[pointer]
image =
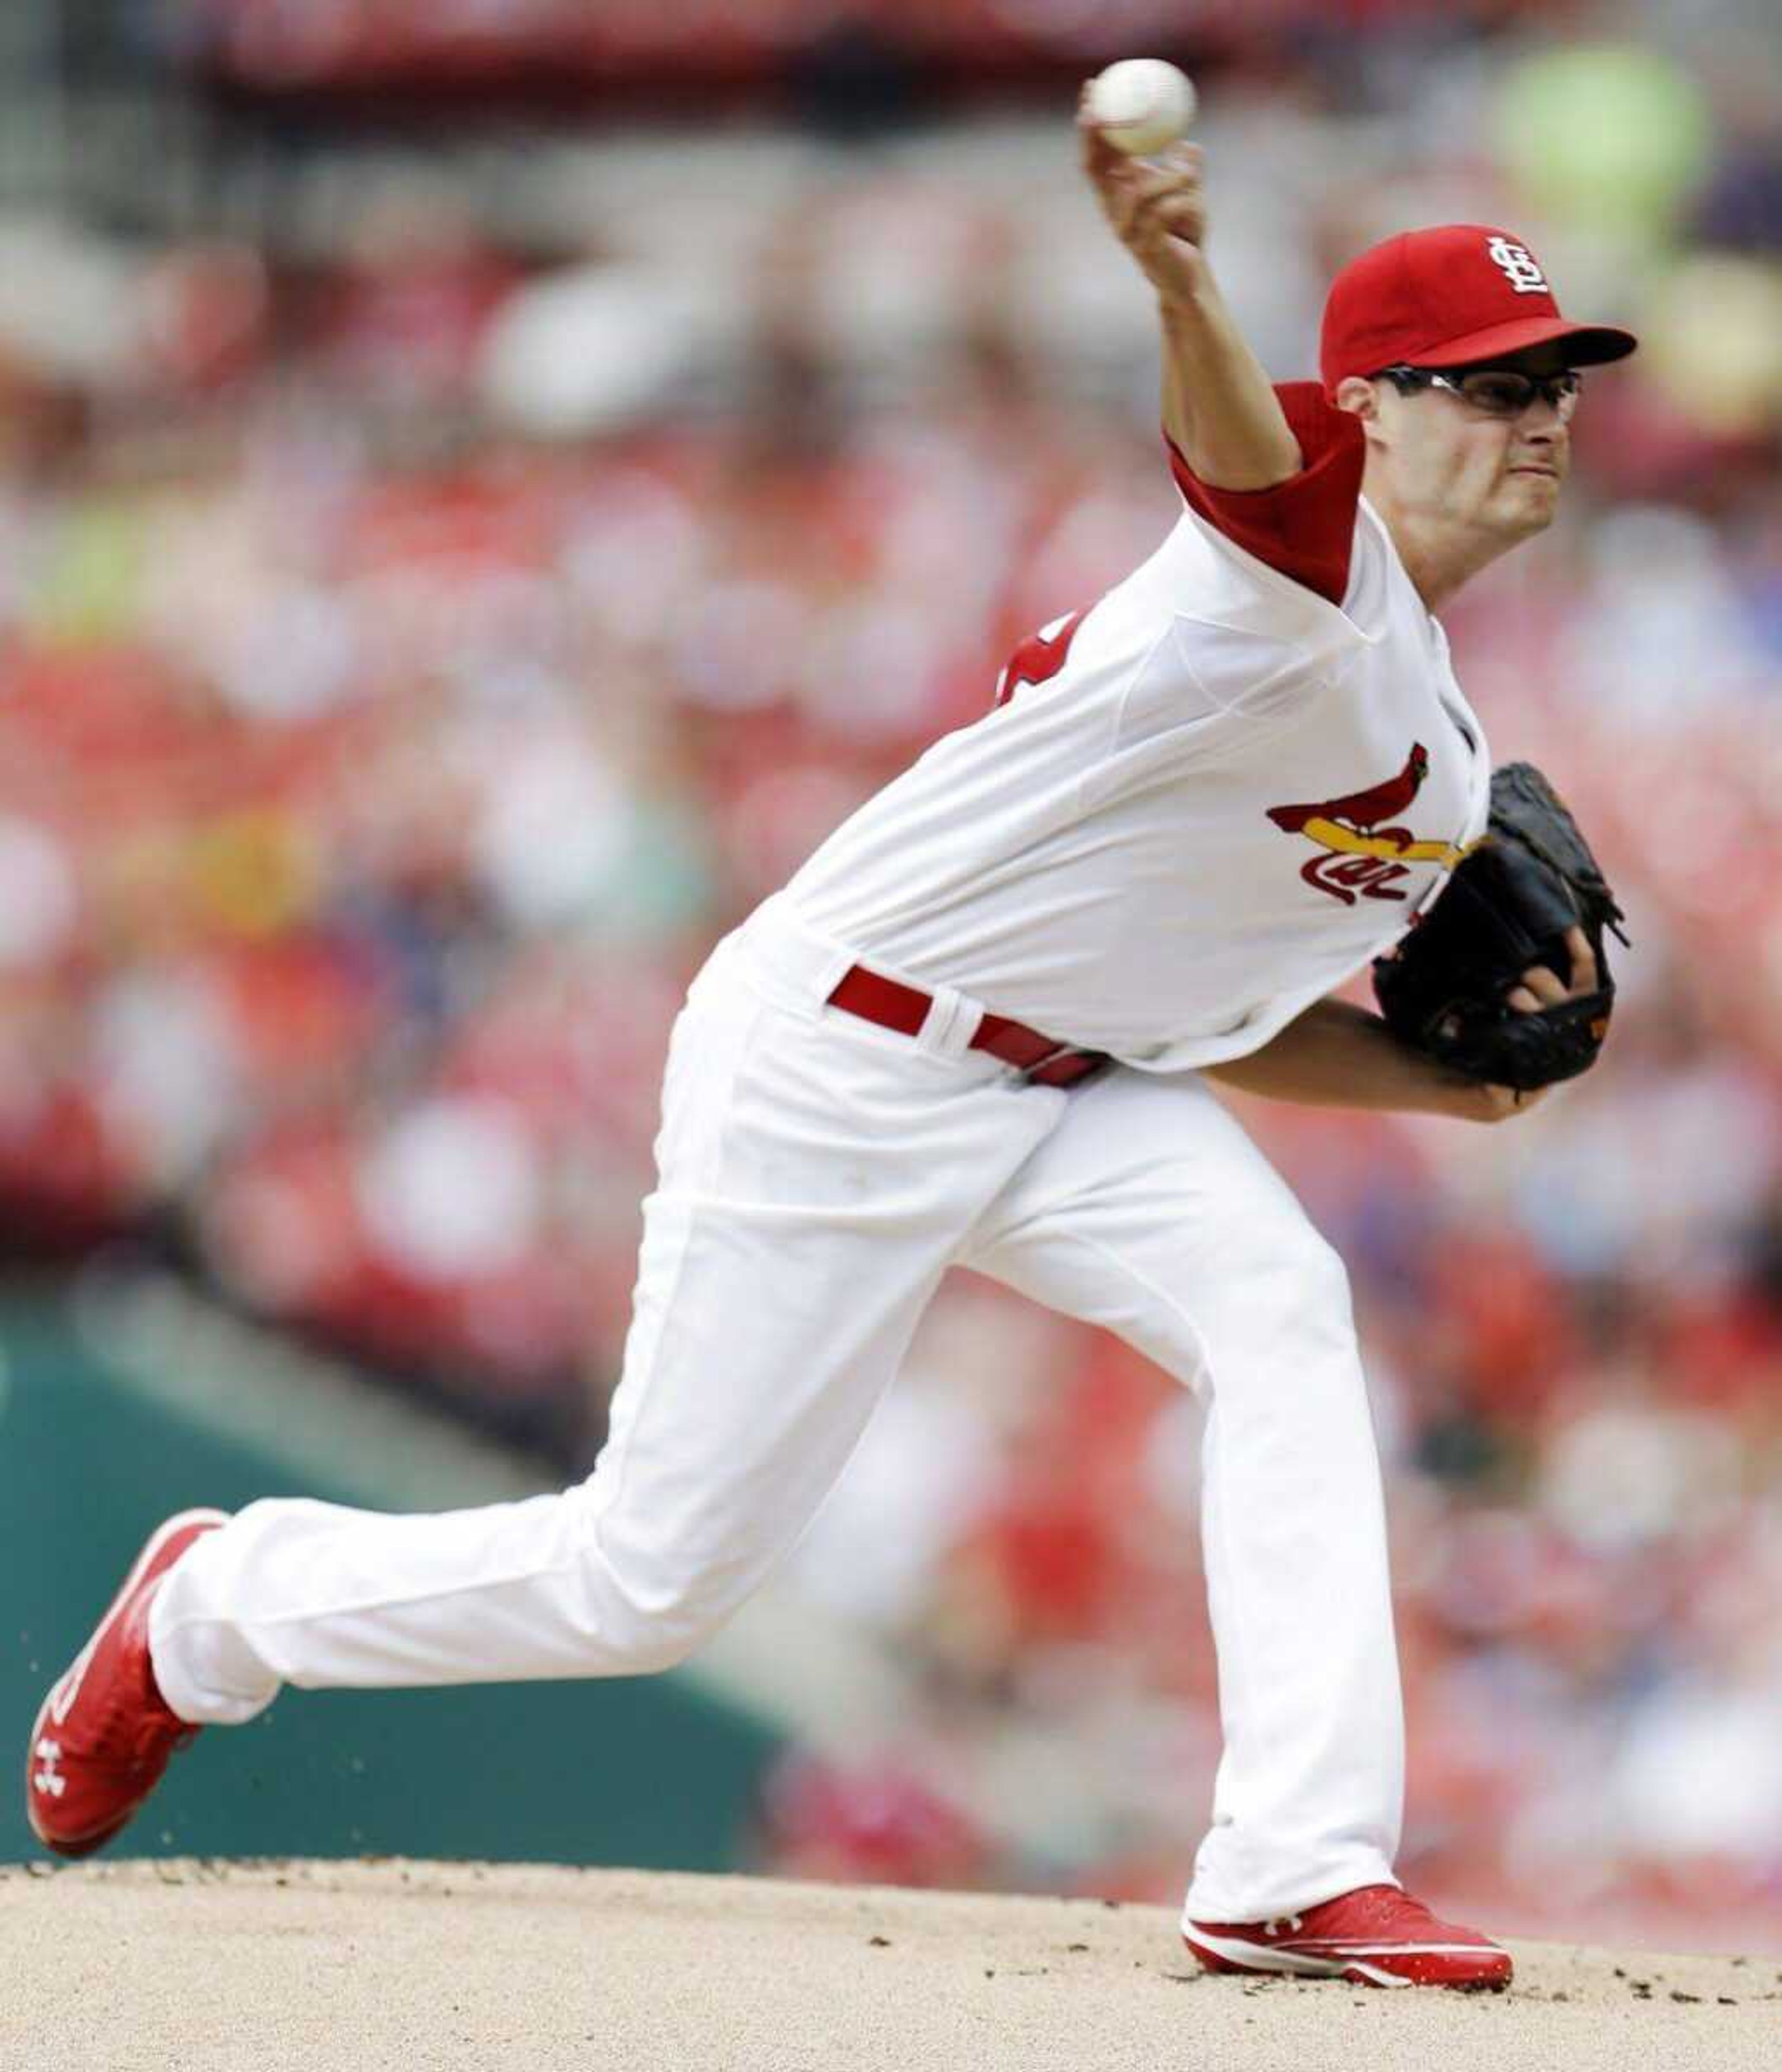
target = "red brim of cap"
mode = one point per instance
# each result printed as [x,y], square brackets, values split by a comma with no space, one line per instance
[1587,345]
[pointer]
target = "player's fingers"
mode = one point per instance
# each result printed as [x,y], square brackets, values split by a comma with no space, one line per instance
[1524,1002]
[1501,1102]
[1547,986]
[1172,202]
[1140,216]
[1098,155]
[1184,220]
[1585,976]
[1178,172]
[1122,186]
[1104,165]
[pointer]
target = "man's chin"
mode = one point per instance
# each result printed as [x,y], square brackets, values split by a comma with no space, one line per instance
[1529,503]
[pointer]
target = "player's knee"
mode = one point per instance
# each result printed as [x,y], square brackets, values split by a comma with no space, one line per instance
[1327,1281]
[1329,1306]
[1308,1295]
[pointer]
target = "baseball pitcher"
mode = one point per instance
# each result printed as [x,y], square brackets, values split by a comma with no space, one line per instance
[978,1028]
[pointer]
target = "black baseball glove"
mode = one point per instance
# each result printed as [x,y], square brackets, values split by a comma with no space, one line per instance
[1445,988]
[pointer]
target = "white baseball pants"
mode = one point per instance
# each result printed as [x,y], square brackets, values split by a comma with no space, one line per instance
[817,1176]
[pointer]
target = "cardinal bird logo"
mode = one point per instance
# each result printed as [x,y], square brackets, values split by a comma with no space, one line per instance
[1362,852]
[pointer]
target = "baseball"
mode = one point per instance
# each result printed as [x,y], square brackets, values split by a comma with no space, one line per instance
[1144,104]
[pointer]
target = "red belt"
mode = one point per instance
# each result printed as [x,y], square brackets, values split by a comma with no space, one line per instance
[1040,1061]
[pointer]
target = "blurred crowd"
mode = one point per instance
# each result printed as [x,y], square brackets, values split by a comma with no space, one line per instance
[413,654]
[270,43]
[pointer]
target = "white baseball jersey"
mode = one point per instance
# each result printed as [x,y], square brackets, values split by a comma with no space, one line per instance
[1196,808]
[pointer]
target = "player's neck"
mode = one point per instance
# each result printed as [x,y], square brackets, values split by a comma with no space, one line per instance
[1439,555]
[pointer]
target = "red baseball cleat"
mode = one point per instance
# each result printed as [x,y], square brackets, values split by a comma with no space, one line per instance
[105,1733]
[1375,1935]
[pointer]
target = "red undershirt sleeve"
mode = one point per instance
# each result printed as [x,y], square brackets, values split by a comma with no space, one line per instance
[1304,526]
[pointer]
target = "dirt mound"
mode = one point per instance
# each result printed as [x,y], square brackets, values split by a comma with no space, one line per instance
[431,1967]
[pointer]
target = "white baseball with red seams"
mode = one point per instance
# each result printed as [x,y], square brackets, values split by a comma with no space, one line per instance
[1144,105]
[1199,805]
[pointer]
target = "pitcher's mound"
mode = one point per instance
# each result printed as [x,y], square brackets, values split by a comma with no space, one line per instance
[432,1967]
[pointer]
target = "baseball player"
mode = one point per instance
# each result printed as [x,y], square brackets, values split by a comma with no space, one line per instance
[978,1028]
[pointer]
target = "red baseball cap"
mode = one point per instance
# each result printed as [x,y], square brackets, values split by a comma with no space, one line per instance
[1447,297]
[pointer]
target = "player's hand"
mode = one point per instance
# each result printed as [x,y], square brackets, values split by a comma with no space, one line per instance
[1487,1103]
[1156,210]
[1540,988]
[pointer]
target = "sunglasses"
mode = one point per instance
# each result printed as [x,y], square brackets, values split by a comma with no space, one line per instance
[1494,391]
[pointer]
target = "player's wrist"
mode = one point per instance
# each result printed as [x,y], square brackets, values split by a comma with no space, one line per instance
[1190,298]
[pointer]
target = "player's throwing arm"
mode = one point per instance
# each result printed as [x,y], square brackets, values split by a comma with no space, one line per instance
[1219,407]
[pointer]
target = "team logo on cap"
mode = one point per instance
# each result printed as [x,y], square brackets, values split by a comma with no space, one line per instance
[1520,267]
[1361,853]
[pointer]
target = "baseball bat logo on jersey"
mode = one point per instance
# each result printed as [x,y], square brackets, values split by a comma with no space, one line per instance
[1364,853]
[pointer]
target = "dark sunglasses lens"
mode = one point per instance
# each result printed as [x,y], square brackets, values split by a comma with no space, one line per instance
[1505,393]
[1502,394]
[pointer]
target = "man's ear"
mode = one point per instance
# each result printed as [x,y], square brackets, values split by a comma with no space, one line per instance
[1360,398]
